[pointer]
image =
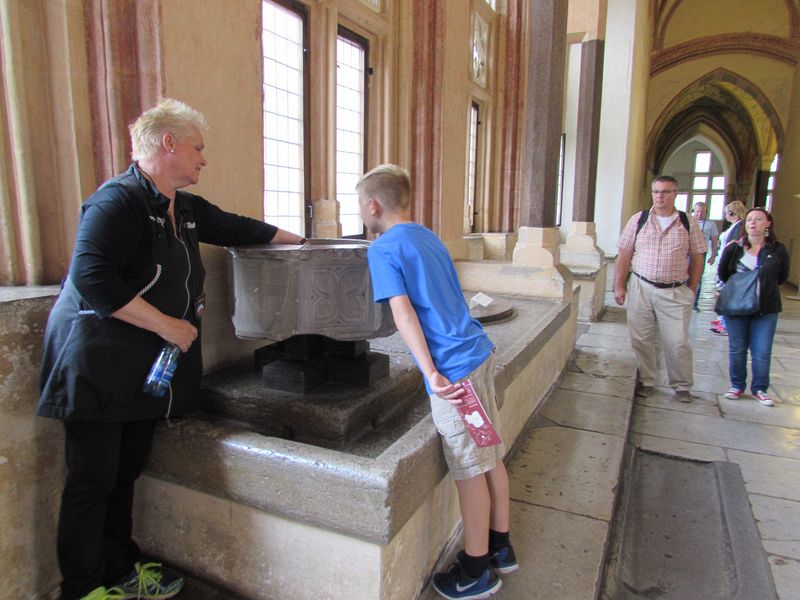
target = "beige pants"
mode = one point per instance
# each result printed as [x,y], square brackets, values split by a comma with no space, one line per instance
[661,315]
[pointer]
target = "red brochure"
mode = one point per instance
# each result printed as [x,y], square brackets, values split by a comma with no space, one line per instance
[478,424]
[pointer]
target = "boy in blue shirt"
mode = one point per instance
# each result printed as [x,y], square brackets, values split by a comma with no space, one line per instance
[412,271]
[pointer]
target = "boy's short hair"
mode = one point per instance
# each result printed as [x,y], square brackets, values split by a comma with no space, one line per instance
[388,183]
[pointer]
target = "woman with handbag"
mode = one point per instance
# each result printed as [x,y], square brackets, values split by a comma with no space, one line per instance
[758,250]
[734,214]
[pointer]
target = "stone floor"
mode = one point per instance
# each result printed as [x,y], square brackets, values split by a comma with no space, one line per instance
[565,469]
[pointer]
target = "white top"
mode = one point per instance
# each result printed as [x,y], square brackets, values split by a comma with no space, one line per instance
[749,261]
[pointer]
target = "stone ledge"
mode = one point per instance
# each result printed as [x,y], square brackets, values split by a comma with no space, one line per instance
[367,498]
[582,272]
[27,292]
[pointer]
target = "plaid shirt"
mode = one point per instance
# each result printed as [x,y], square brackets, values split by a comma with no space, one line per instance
[662,256]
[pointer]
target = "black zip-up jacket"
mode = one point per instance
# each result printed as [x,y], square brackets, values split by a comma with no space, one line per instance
[773,271]
[94,365]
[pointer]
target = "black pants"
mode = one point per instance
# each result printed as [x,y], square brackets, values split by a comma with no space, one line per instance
[94,529]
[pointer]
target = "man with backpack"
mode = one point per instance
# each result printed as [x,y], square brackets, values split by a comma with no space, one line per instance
[662,248]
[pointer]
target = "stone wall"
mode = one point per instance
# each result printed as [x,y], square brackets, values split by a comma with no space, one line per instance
[31,451]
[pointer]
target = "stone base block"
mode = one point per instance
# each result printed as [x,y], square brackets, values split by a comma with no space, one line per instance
[365,370]
[593,290]
[294,375]
[495,277]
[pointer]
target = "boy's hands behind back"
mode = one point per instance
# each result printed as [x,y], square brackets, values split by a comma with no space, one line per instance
[442,387]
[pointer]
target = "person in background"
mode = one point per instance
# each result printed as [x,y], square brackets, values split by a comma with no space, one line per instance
[758,248]
[711,235]
[734,215]
[665,256]
[412,271]
[135,282]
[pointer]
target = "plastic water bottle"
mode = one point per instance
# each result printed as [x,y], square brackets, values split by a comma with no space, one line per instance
[160,376]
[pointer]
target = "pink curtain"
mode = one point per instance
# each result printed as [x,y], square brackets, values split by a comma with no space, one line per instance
[124,57]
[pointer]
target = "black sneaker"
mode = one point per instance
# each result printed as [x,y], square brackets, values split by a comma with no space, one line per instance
[504,560]
[455,584]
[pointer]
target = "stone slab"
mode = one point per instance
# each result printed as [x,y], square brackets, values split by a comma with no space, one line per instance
[560,555]
[786,574]
[716,431]
[599,361]
[769,475]
[589,411]
[664,397]
[608,386]
[687,534]
[604,341]
[778,522]
[747,408]
[568,469]
[678,448]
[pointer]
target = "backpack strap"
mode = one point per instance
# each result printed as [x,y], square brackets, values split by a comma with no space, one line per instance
[646,213]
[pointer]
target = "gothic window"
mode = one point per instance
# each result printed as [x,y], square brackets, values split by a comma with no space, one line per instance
[773,170]
[285,153]
[351,124]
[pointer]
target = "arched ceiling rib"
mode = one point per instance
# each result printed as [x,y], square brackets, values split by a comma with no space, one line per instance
[730,106]
[785,49]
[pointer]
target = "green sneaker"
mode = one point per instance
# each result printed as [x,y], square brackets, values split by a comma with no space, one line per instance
[102,593]
[150,581]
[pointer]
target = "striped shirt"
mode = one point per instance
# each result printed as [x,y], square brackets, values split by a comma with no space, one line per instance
[662,255]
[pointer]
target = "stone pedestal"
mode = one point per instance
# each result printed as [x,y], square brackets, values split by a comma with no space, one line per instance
[325,219]
[586,261]
[302,362]
[537,247]
[535,271]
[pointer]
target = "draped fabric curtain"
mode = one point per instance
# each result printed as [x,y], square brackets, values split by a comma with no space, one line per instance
[73,77]
[124,56]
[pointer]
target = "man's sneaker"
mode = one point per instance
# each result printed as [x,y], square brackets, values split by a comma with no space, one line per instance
[455,584]
[684,396]
[734,393]
[645,391]
[102,593]
[150,581]
[719,330]
[764,398]
[504,560]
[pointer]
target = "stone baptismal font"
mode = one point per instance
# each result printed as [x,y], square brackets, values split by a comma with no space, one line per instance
[315,380]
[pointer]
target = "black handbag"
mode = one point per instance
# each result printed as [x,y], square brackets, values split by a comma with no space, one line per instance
[740,295]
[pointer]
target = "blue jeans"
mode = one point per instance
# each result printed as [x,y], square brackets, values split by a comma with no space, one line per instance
[756,334]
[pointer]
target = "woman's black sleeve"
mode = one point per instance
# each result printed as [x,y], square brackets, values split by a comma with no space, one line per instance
[221,228]
[109,234]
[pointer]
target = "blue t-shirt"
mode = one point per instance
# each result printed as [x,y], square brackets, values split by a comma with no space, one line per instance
[409,260]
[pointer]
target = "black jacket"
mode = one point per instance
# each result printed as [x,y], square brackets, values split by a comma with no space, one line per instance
[774,270]
[94,365]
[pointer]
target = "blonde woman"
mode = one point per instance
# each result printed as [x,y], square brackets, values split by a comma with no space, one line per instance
[734,214]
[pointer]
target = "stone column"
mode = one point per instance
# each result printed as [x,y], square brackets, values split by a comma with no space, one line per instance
[760,188]
[588,136]
[581,255]
[538,238]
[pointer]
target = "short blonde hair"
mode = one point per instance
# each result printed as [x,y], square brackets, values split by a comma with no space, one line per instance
[388,183]
[168,116]
[738,207]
